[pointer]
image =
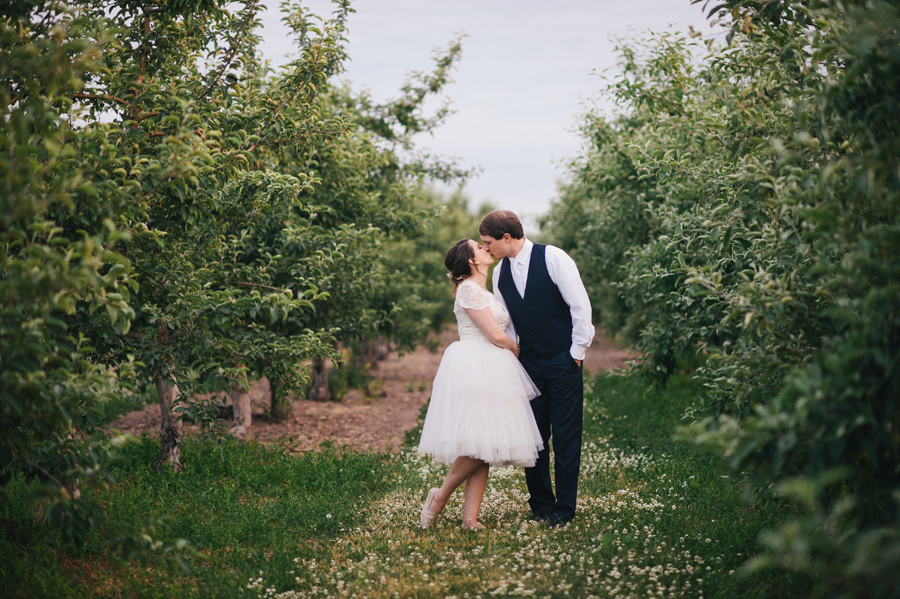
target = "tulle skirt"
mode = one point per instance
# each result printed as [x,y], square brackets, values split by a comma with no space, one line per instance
[480,407]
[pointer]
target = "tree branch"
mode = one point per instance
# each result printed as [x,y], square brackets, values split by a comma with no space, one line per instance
[99,96]
[257,285]
[146,116]
[37,466]
[87,446]
[214,82]
[304,135]
[152,280]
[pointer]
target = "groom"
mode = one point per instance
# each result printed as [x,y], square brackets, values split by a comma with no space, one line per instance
[550,311]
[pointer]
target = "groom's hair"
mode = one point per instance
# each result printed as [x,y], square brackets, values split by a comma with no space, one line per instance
[499,222]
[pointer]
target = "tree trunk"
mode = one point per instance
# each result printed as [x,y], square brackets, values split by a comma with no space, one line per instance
[243,415]
[382,349]
[373,351]
[318,385]
[281,407]
[170,426]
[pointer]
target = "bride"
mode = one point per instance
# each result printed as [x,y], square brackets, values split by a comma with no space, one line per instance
[479,412]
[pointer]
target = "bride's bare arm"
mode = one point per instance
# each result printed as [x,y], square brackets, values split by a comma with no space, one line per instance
[485,321]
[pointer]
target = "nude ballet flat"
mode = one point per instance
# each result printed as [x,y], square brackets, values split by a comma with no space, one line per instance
[476,526]
[428,515]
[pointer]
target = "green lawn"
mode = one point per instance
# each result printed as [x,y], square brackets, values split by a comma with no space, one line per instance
[656,519]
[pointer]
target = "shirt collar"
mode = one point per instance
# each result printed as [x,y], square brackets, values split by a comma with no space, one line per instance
[524,255]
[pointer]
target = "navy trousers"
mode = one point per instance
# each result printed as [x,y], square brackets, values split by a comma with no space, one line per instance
[559,412]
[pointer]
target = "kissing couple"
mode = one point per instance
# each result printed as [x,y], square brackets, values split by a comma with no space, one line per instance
[514,379]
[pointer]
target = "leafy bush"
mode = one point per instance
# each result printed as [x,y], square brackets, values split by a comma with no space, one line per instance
[765,251]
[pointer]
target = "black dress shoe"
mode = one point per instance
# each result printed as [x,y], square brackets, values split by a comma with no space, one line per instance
[558,521]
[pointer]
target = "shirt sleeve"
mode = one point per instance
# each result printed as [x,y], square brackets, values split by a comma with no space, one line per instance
[495,285]
[470,296]
[564,272]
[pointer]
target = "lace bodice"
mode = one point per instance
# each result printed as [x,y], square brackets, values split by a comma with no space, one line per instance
[473,296]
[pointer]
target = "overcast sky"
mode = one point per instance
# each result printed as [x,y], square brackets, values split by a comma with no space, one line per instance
[527,69]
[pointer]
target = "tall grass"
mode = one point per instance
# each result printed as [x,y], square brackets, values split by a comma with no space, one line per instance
[655,519]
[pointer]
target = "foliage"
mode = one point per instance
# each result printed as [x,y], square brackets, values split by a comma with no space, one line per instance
[368,197]
[175,211]
[417,270]
[52,384]
[765,252]
[415,296]
[662,203]
[371,191]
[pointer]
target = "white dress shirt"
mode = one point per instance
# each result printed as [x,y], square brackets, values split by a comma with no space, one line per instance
[564,273]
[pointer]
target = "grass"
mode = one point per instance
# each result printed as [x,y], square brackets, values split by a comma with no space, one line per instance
[656,519]
[247,507]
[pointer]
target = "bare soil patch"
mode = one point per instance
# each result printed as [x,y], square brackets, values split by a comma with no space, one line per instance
[378,423]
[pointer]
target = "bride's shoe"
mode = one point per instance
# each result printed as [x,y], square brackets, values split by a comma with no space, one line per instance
[429,515]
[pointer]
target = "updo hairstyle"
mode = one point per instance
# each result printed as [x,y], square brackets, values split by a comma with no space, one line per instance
[458,263]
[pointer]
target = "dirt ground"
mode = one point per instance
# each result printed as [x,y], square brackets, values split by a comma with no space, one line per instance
[378,422]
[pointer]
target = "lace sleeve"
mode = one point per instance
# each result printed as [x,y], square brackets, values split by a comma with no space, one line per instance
[471,296]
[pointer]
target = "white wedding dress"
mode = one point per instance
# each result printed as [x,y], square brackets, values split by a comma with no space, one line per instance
[479,401]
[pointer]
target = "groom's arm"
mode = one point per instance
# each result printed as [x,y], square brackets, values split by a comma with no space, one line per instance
[495,285]
[564,272]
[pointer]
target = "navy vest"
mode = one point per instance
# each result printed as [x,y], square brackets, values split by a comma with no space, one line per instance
[542,318]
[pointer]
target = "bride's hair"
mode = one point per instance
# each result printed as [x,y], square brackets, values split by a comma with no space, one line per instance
[457,262]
